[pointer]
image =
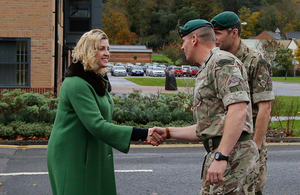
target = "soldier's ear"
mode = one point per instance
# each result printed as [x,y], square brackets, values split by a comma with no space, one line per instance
[235,32]
[194,39]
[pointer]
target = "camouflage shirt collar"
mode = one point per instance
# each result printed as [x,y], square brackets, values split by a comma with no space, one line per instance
[212,51]
[242,50]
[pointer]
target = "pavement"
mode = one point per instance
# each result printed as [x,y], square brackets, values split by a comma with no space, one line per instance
[121,85]
[149,89]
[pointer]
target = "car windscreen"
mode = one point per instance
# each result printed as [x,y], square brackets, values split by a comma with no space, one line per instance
[119,68]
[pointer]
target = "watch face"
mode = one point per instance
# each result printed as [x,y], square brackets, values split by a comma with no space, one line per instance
[217,156]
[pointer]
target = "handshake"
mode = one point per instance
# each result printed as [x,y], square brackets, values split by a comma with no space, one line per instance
[157,135]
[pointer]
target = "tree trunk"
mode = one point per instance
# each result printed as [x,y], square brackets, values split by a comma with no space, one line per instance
[286,72]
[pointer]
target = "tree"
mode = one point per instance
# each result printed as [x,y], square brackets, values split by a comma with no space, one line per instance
[269,49]
[297,53]
[186,14]
[172,51]
[208,9]
[251,18]
[284,58]
[116,26]
[162,22]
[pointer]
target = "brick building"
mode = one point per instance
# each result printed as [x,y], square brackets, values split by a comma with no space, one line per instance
[27,45]
[130,53]
[36,38]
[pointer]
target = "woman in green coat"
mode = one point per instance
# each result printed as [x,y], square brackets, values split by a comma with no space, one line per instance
[79,155]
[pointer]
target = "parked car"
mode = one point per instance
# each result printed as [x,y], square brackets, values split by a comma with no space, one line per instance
[136,70]
[128,66]
[119,71]
[178,71]
[192,71]
[119,64]
[110,66]
[170,68]
[185,68]
[155,64]
[156,71]
[163,67]
[148,70]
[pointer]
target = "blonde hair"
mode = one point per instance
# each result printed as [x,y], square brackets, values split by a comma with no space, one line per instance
[86,49]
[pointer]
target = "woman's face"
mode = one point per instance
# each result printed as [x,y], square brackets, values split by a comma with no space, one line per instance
[103,54]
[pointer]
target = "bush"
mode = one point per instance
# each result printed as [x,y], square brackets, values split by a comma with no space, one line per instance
[161,61]
[22,130]
[18,105]
[276,72]
[144,109]
[6,132]
[179,123]
[280,72]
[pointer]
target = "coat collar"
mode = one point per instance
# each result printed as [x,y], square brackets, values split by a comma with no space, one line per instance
[98,82]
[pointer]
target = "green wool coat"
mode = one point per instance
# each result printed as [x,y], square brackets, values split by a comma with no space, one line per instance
[79,154]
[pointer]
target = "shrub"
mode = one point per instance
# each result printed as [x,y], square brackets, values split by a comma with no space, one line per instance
[6,132]
[24,130]
[144,109]
[18,105]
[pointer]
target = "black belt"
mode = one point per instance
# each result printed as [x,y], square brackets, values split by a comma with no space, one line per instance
[216,141]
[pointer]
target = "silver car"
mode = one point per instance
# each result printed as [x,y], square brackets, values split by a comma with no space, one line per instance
[157,72]
[148,70]
[119,71]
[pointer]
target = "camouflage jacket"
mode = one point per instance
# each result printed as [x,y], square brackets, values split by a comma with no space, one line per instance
[259,75]
[221,81]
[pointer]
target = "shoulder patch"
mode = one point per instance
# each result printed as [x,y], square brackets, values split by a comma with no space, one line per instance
[234,80]
[224,62]
[262,62]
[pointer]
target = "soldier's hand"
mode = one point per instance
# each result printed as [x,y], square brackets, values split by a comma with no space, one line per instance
[216,171]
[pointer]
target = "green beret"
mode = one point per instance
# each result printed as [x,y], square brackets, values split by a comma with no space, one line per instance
[225,20]
[192,25]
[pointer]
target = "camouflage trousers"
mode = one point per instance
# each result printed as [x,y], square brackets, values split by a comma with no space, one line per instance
[241,172]
[262,176]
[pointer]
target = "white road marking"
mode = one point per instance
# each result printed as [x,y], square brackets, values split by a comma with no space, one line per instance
[46,173]
[132,171]
[23,173]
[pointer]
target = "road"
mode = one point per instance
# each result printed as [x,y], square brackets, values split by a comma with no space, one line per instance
[163,170]
[279,88]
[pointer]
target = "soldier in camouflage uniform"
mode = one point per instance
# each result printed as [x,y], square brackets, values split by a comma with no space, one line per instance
[222,110]
[227,26]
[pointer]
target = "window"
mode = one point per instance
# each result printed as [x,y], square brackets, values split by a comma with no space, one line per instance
[79,15]
[14,62]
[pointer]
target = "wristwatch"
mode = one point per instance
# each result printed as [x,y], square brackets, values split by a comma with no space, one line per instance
[219,156]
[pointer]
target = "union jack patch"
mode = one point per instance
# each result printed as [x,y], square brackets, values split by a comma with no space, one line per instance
[234,80]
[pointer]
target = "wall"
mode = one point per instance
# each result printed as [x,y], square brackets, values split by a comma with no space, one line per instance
[32,19]
[129,57]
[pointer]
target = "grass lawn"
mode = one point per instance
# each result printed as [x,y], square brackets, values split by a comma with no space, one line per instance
[161,57]
[286,106]
[295,130]
[288,79]
[181,82]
